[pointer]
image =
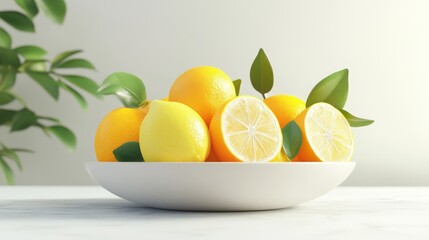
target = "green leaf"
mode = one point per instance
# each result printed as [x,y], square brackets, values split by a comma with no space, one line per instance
[76,63]
[29,6]
[8,58]
[261,73]
[7,79]
[6,98]
[333,89]
[9,153]
[47,83]
[128,152]
[65,135]
[5,39]
[75,94]
[237,84]
[292,139]
[63,56]
[84,83]
[55,120]
[54,9]
[34,66]
[6,116]
[129,88]
[23,119]
[356,121]
[31,52]
[17,20]
[7,172]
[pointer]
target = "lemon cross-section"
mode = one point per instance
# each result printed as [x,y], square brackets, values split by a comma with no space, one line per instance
[327,135]
[245,130]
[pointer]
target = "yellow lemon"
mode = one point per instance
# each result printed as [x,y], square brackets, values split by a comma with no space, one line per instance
[173,132]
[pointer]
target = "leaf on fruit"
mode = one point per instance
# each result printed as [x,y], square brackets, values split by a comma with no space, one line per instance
[237,85]
[31,52]
[292,139]
[128,152]
[356,121]
[17,20]
[261,73]
[129,88]
[333,89]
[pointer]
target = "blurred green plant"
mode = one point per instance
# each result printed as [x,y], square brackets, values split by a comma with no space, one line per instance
[31,60]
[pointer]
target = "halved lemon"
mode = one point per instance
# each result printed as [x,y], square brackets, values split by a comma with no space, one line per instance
[245,130]
[326,135]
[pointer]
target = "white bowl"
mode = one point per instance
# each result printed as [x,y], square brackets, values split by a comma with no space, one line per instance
[219,186]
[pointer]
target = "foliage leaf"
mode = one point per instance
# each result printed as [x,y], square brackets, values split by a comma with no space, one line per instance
[65,135]
[261,73]
[6,116]
[292,139]
[76,63]
[84,83]
[31,52]
[5,39]
[54,9]
[23,119]
[7,172]
[47,83]
[75,94]
[6,98]
[8,58]
[128,152]
[129,88]
[333,89]
[33,66]
[17,20]
[356,121]
[237,85]
[29,6]
[63,56]
[11,154]
[8,78]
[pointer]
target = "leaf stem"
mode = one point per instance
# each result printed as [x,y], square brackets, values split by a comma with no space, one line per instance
[264,96]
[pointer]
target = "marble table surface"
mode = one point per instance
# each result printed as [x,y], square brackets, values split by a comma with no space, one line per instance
[93,213]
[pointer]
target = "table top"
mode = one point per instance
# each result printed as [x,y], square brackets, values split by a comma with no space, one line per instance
[93,213]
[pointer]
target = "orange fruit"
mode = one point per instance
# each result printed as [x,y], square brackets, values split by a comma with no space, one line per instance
[212,157]
[204,89]
[117,127]
[326,135]
[245,130]
[285,107]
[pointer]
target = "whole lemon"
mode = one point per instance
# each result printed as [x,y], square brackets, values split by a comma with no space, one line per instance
[117,127]
[204,89]
[173,132]
[285,107]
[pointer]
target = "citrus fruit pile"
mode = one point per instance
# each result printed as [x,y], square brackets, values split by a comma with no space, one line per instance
[205,119]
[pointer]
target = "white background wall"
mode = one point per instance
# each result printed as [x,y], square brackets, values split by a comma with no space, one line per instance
[385,44]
